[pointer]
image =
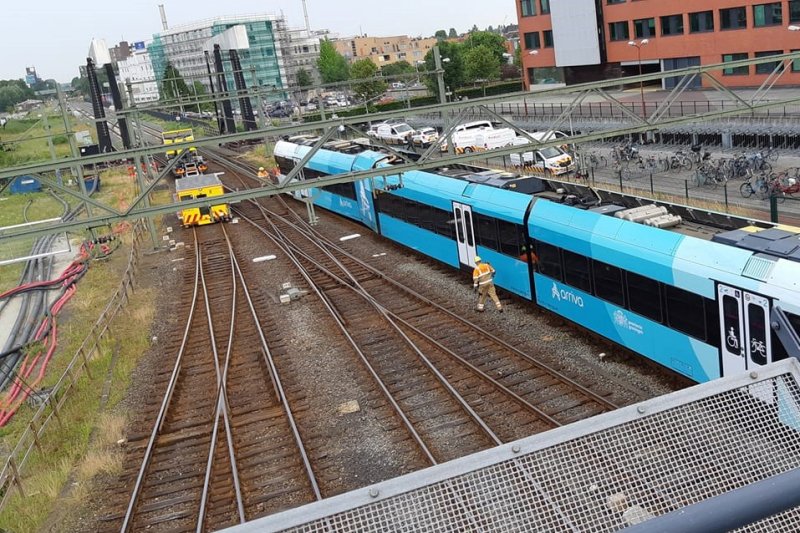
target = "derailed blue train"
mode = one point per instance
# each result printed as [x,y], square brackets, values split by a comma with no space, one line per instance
[712,296]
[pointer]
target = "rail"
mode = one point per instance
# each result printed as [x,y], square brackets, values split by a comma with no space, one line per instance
[11,476]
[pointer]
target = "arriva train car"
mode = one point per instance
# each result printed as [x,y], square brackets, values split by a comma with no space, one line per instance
[704,294]
[201,186]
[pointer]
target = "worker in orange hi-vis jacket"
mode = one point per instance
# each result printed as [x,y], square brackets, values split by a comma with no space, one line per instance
[483,281]
[262,172]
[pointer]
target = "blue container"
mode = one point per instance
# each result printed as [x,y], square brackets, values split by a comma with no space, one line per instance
[90,184]
[25,184]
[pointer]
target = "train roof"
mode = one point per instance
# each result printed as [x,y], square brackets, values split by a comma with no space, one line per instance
[196,182]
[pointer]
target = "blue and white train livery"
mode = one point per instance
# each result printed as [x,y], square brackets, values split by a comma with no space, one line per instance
[712,295]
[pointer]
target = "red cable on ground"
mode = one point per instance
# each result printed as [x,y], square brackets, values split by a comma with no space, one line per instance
[47,333]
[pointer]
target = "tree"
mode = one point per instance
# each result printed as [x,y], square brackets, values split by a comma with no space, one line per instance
[480,64]
[304,79]
[199,93]
[453,69]
[365,69]
[440,34]
[495,42]
[13,92]
[173,86]
[453,33]
[332,65]
[397,68]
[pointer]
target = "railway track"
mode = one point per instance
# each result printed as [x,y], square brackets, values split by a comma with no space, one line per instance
[224,447]
[458,388]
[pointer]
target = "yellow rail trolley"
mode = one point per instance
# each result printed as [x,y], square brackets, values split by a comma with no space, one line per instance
[201,186]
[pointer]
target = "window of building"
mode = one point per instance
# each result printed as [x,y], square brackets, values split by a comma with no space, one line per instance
[685,312]
[644,296]
[608,283]
[672,25]
[545,5]
[576,271]
[618,31]
[737,71]
[615,1]
[767,15]
[548,38]
[794,10]
[644,28]
[767,68]
[796,63]
[528,7]
[701,21]
[734,18]
[532,41]
[549,260]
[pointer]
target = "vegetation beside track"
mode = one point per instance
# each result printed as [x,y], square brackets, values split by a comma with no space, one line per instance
[84,445]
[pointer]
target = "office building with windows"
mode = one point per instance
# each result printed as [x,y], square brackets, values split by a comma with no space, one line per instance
[573,41]
[272,58]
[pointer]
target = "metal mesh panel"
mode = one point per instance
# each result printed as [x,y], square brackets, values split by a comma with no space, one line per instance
[596,480]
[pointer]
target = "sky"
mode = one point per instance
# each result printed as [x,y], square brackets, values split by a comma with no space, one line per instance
[54,35]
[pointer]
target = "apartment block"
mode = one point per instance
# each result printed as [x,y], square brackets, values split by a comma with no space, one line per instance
[384,50]
[573,41]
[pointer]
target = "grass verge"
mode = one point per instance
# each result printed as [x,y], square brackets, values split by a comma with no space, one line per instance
[67,448]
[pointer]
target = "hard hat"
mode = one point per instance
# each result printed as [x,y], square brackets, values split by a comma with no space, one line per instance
[477,259]
[260,168]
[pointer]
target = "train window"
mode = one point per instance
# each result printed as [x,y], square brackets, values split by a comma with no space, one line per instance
[468,225]
[486,232]
[778,350]
[348,190]
[685,312]
[411,212]
[576,271]
[712,322]
[549,260]
[608,283]
[391,205]
[794,320]
[644,296]
[756,318]
[443,223]
[511,237]
[459,231]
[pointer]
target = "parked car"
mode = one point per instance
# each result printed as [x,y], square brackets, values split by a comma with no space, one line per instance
[425,137]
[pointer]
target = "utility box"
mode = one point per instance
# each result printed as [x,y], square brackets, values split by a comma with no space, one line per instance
[25,185]
[91,187]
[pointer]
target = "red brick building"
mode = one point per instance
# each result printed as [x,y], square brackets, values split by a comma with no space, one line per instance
[572,41]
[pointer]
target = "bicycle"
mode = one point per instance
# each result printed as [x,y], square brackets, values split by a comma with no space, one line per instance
[770,153]
[758,185]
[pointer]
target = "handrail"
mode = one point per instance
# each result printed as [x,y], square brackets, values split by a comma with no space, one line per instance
[13,469]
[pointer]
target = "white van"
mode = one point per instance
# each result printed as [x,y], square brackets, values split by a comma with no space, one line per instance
[480,135]
[553,160]
[394,133]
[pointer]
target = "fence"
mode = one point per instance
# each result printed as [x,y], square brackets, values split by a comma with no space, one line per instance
[12,473]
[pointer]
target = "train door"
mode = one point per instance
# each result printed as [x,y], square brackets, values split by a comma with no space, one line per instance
[465,236]
[744,330]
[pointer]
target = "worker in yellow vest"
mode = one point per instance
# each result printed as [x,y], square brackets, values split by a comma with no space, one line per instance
[483,281]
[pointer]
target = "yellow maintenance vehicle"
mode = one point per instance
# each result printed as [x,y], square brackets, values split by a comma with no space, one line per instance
[192,158]
[201,186]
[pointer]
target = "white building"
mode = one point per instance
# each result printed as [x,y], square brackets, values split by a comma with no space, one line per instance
[139,71]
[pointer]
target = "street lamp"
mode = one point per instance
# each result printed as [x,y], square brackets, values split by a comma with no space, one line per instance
[638,47]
